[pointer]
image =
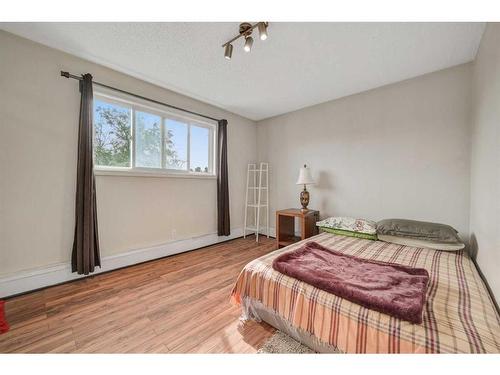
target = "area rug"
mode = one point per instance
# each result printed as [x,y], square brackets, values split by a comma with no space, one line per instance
[280,343]
[4,327]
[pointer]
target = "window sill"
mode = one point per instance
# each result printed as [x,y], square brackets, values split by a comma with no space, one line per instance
[155,174]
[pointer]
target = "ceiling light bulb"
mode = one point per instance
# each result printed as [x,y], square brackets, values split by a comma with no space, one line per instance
[228,51]
[248,44]
[262,30]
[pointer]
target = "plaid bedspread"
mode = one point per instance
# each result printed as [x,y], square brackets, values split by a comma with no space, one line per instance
[459,315]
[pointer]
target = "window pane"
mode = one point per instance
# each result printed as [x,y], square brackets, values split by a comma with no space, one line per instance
[112,134]
[175,144]
[199,149]
[147,140]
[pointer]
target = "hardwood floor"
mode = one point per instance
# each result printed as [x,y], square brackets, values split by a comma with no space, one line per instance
[178,304]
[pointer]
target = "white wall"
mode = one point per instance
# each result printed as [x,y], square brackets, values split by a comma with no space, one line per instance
[397,151]
[485,161]
[38,138]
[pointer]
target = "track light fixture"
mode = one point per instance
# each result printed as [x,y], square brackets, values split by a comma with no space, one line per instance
[228,51]
[245,31]
[248,43]
[262,26]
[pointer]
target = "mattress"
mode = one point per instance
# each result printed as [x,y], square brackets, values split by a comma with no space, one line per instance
[459,315]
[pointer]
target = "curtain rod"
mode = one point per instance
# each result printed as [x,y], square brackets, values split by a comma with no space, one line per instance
[69,75]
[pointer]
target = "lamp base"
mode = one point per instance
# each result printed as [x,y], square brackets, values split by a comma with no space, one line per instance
[304,198]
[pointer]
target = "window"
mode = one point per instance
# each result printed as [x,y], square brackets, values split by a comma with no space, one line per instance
[112,124]
[134,137]
[176,142]
[147,140]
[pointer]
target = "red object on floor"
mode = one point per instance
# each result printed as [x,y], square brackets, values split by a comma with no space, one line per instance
[4,327]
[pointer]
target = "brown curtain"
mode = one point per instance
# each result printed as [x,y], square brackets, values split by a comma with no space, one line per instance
[223,225]
[85,256]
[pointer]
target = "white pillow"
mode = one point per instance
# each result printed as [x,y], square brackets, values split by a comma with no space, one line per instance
[413,242]
[349,223]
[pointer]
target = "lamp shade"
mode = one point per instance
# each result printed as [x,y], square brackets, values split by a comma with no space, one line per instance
[305,177]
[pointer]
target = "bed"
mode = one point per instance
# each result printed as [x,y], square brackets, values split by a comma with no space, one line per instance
[459,315]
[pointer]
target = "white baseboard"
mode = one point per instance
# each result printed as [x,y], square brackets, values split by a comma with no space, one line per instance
[272,232]
[43,277]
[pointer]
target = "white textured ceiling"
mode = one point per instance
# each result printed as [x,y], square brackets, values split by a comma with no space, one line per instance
[299,65]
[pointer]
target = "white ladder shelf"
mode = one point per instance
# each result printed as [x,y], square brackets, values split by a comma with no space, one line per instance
[258,191]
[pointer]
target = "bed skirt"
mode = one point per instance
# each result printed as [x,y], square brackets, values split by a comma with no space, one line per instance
[255,310]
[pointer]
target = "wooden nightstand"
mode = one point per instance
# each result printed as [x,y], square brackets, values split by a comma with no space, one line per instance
[285,225]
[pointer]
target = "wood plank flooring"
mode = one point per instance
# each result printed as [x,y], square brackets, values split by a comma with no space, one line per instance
[178,304]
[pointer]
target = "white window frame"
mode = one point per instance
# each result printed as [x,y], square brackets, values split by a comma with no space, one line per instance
[164,113]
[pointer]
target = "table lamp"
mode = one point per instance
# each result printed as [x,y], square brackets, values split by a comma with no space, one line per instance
[305,179]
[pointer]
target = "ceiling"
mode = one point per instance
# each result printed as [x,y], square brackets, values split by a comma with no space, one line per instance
[299,65]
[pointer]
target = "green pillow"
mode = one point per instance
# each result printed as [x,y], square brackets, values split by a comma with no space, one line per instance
[349,233]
